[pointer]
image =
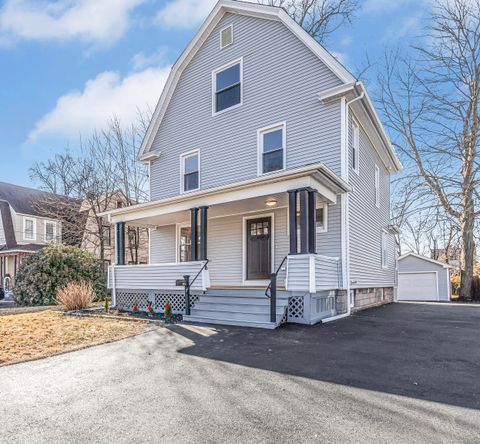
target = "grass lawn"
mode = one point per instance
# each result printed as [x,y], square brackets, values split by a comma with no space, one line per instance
[30,336]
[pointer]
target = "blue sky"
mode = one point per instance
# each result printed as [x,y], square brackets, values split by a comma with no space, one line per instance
[67,66]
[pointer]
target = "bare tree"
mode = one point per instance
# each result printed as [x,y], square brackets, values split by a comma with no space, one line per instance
[103,175]
[319,18]
[430,100]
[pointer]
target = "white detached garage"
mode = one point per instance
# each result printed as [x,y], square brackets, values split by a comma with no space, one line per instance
[422,279]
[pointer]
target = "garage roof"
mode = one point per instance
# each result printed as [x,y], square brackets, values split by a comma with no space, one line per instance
[418,256]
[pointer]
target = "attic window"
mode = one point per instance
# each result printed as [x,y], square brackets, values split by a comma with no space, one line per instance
[226,36]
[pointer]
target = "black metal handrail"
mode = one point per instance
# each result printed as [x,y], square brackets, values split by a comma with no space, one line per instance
[276,274]
[272,287]
[188,285]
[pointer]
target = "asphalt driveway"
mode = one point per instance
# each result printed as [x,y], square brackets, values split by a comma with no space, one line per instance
[400,373]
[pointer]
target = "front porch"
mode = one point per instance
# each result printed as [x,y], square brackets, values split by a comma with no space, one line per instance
[233,243]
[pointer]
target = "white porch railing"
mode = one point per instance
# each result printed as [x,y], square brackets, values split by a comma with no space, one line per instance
[157,276]
[312,273]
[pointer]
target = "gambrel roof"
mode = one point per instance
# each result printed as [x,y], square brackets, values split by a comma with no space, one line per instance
[266,12]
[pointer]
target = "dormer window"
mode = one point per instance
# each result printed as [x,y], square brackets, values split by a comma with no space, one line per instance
[227,87]
[226,36]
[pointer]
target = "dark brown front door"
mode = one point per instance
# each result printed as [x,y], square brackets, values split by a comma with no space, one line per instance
[259,237]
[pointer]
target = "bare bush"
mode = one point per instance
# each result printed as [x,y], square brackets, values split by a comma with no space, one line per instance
[75,295]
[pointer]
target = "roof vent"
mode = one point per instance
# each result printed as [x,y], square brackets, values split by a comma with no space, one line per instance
[226,36]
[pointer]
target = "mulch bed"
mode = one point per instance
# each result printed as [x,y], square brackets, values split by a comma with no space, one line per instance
[127,315]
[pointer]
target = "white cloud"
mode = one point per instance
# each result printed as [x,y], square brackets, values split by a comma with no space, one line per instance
[409,26]
[105,96]
[142,60]
[93,21]
[184,14]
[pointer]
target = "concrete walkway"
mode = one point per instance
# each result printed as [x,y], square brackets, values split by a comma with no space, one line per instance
[401,374]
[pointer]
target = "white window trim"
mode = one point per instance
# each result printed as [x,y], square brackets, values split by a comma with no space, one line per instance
[266,130]
[377,186]
[178,228]
[34,228]
[54,240]
[221,32]
[356,145]
[384,246]
[183,156]
[214,85]
[323,229]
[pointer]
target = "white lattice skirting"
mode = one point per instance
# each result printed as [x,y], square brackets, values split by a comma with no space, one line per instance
[126,299]
[296,309]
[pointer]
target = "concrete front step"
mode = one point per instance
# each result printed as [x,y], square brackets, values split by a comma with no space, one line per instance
[230,314]
[241,307]
[238,307]
[242,300]
[236,322]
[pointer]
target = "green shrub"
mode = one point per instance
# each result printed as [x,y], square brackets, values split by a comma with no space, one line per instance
[42,274]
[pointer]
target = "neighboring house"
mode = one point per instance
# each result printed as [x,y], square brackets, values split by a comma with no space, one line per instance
[423,279]
[267,159]
[24,229]
[102,245]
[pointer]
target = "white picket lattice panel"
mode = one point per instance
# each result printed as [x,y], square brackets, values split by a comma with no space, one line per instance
[126,300]
[157,298]
[176,300]
[296,308]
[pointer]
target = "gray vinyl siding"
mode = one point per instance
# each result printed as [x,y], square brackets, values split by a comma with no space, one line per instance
[329,243]
[281,79]
[366,220]
[162,244]
[327,273]
[415,264]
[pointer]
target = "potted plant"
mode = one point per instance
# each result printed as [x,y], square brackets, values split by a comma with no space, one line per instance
[135,308]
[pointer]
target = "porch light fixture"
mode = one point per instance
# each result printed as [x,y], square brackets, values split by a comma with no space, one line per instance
[271,203]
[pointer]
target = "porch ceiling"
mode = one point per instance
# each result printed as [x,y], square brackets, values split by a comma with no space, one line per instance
[243,197]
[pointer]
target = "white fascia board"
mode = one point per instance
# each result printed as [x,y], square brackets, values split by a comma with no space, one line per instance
[314,176]
[234,7]
[149,156]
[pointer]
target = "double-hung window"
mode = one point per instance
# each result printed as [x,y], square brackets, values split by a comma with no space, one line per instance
[355,147]
[50,228]
[271,147]
[29,229]
[190,164]
[227,87]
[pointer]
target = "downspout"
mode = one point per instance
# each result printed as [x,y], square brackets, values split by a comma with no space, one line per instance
[347,197]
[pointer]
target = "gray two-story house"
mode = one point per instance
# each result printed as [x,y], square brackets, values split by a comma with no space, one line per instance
[269,167]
